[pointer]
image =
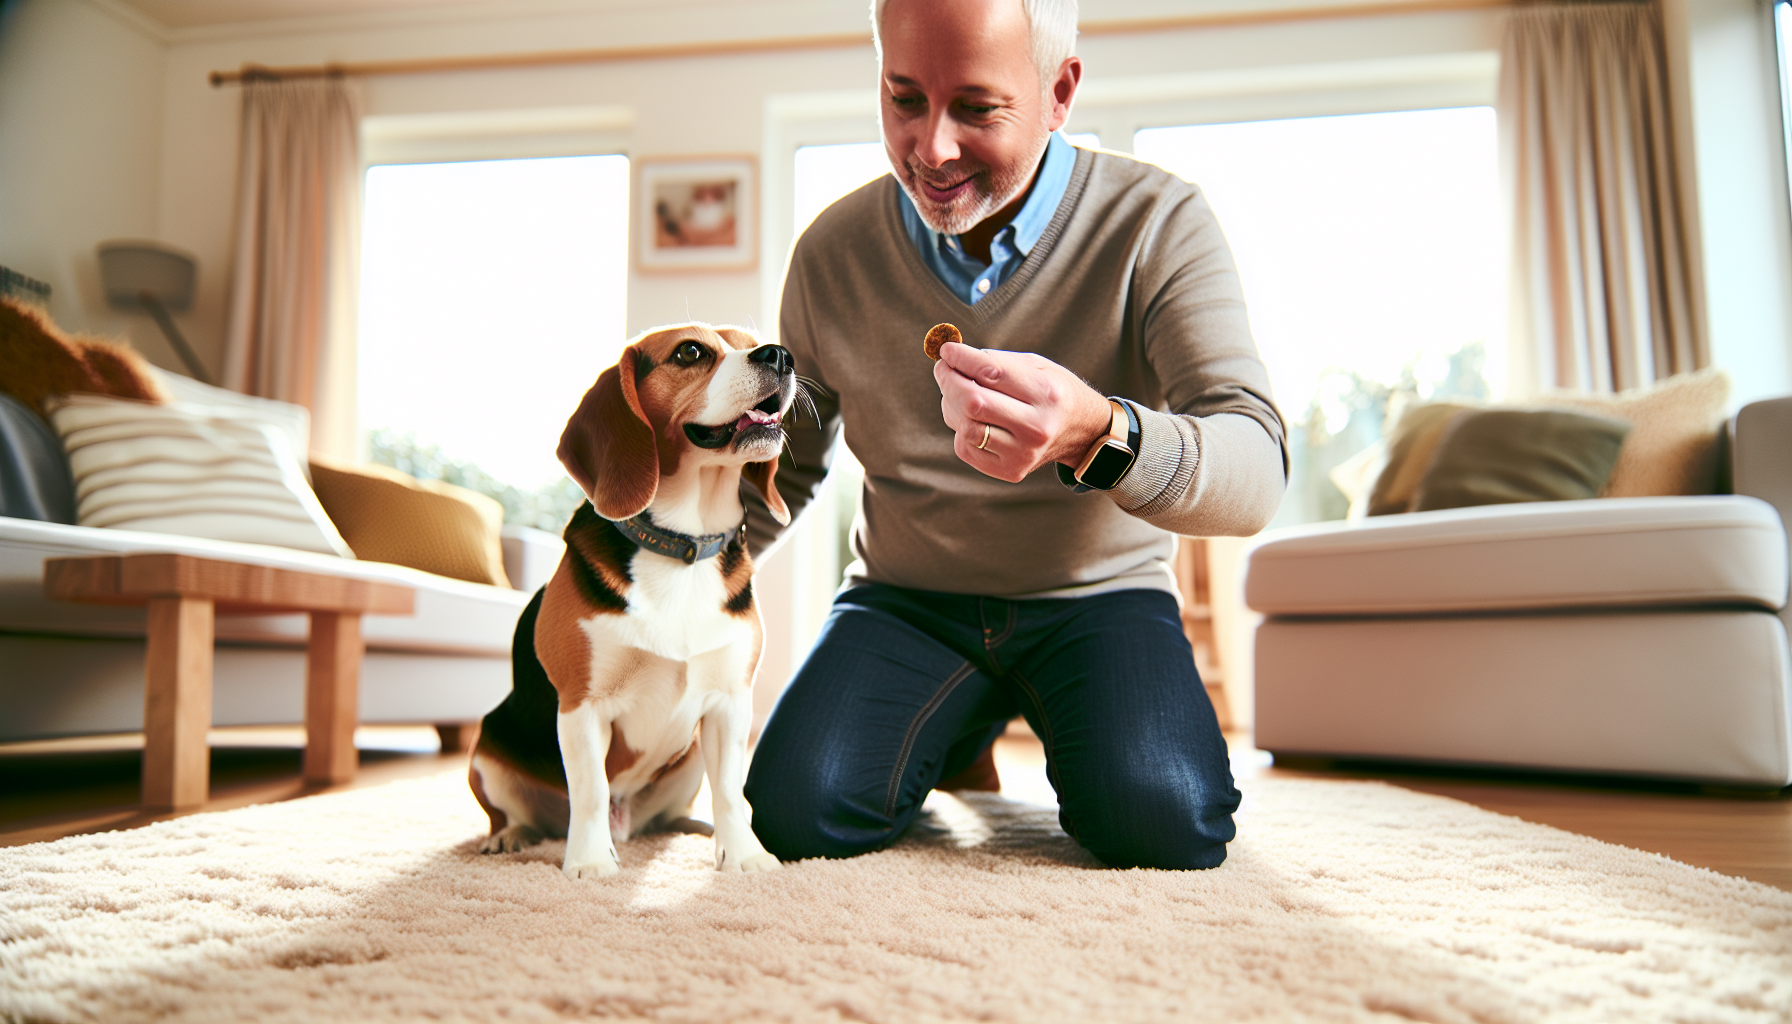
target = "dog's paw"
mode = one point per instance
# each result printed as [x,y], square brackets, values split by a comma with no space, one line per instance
[510,840]
[603,867]
[756,861]
[761,862]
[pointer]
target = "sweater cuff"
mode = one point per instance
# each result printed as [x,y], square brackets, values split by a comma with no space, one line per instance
[1168,453]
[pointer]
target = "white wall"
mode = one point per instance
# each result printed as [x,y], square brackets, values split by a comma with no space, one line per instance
[80,152]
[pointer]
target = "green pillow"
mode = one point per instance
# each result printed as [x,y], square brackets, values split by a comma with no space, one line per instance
[1499,456]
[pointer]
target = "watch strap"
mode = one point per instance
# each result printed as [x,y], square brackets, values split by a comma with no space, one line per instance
[1067,476]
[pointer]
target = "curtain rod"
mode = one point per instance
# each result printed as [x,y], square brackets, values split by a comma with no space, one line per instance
[548,58]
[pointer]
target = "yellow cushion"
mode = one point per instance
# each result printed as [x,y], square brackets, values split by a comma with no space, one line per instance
[1672,447]
[388,516]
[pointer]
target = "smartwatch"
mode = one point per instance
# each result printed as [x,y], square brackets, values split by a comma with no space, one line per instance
[1106,463]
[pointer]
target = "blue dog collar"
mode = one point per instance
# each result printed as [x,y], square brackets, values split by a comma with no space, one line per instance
[682,546]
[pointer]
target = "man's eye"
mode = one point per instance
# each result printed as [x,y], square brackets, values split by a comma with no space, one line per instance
[687,354]
[907,102]
[978,111]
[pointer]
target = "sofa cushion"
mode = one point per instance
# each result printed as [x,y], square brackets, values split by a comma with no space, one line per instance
[1605,553]
[1672,448]
[39,362]
[1410,447]
[1505,456]
[388,516]
[34,477]
[451,616]
[292,420]
[194,470]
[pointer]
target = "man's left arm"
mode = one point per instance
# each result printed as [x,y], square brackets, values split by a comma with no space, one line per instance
[1215,461]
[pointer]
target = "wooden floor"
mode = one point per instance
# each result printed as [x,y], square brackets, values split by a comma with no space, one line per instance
[50,790]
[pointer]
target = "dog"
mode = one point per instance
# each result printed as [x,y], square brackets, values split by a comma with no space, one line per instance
[633,667]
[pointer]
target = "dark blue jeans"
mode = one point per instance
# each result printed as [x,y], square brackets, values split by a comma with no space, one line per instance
[906,688]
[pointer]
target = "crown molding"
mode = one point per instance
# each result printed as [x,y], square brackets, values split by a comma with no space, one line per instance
[135,19]
[480,10]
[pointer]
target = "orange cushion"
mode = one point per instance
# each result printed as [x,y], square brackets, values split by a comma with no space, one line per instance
[38,362]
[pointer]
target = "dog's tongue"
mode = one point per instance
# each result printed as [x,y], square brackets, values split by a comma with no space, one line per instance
[754,417]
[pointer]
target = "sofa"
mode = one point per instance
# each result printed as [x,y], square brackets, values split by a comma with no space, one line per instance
[1636,636]
[76,669]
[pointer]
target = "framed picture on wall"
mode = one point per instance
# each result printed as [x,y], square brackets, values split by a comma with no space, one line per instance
[697,213]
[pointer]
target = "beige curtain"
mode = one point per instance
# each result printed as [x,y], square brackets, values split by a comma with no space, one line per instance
[1602,296]
[291,333]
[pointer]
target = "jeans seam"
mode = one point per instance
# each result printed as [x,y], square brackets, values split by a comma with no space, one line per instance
[914,729]
[1051,762]
[1008,630]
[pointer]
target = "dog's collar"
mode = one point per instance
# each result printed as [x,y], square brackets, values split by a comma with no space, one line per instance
[682,546]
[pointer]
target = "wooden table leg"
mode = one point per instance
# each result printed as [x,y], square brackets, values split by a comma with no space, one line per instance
[177,704]
[332,692]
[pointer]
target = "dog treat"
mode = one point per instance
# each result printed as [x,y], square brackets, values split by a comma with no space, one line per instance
[938,337]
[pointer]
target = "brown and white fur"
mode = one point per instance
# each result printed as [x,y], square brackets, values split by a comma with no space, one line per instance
[650,660]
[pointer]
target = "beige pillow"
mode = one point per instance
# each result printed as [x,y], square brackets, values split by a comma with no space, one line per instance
[1411,446]
[1672,447]
[388,516]
[193,470]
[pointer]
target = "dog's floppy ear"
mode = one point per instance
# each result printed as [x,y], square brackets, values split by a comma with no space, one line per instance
[608,446]
[760,474]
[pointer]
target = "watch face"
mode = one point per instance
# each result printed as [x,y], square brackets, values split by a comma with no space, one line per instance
[1108,466]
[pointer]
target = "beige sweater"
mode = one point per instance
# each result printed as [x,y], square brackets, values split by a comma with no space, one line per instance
[1132,287]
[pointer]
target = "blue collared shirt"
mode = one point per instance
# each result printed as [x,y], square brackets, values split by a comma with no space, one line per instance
[970,279]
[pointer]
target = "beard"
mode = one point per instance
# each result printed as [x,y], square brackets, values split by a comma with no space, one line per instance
[987,190]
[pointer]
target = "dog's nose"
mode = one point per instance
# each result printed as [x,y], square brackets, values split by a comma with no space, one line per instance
[776,356]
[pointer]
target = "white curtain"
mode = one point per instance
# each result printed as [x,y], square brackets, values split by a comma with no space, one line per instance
[1602,295]
[291,332]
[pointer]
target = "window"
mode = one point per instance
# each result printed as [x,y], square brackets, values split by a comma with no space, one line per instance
[493,292]
[1371,255]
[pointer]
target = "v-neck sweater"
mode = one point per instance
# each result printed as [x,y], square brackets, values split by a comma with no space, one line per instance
[1133,288]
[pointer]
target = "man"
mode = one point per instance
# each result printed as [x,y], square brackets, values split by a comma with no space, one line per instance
[1012,555]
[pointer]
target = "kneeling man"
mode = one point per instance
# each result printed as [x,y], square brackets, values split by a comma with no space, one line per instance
[1021,495]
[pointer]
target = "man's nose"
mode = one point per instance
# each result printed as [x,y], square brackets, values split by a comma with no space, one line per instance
[776,356]
[939,141]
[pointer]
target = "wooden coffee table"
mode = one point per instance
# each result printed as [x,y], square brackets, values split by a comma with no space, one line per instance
[184,594]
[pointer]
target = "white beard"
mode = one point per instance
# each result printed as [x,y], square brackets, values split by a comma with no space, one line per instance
[988,192]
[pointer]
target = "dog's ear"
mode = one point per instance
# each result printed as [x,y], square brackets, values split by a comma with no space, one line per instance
[608,445]
[760,474]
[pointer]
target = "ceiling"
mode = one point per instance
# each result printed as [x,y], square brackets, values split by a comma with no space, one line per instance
[199,14]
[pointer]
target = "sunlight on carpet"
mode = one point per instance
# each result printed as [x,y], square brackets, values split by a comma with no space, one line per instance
[1340,900]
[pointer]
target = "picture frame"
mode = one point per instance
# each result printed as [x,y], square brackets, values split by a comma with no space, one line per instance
[695,213]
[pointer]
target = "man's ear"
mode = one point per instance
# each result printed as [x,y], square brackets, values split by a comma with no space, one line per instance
[608,447]
[760,474]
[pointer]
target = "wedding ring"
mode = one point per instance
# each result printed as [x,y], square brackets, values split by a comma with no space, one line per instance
[983,445]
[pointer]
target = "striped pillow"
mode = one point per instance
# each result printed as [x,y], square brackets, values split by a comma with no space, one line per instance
[193,470]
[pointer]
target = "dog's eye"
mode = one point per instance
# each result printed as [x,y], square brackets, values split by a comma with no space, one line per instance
[687,354]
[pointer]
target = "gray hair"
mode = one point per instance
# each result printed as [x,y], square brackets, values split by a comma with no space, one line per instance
[1051,23]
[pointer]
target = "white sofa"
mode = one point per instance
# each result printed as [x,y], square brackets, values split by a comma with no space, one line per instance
[1640,636]
[71,669]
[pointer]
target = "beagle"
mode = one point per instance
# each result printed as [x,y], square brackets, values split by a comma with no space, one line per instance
[633,667]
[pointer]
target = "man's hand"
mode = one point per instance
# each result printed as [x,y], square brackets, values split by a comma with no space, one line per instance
[1036,411]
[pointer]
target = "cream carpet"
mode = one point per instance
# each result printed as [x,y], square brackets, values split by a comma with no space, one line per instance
[1342,901]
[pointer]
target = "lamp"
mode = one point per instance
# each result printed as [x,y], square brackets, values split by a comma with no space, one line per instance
[156,279]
